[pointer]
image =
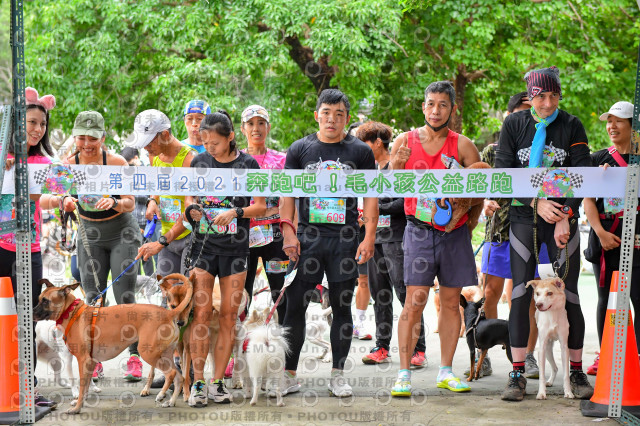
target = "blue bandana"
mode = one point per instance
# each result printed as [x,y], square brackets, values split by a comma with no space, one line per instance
[537,146]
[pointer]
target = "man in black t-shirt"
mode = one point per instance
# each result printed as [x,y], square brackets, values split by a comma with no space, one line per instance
[327,236]
[543,136]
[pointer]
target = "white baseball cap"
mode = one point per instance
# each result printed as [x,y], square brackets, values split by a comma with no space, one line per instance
[146,126]
[619,109]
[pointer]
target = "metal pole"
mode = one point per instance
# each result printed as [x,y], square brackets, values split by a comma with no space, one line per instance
[23,233]
[626,262]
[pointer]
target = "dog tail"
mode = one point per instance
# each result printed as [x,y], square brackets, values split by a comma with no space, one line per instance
[269,334]
[185,302]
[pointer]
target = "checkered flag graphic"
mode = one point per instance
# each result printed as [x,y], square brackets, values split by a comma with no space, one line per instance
[40,176]
[576,179]
[79,177]
[537,179]
[559,154]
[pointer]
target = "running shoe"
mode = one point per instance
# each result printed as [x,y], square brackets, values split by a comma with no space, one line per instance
[339,387]
[378,355]
[291,385]
[358,333]
[134,369]
[531,370]
[418,360]
[593,368]
[198,397]
[41,401]
[228,372]
[401,388]
[98,372]
[516,387]
[218,392]
[580,385]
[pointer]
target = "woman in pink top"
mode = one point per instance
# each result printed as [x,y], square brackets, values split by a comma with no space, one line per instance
[265,239]
[37,134]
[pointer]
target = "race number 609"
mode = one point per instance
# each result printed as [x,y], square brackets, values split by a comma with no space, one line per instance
[335,217]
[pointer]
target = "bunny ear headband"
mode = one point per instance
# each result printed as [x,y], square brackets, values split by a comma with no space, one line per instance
[48,102]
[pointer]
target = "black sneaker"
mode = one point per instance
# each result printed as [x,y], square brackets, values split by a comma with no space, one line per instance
[516,387]
[41,401]
[580,385]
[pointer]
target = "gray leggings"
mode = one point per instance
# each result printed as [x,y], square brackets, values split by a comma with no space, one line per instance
[114,245]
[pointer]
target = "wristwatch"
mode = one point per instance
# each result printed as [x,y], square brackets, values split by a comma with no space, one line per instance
[115,202]
[163,240]
[567,210]
[239,212]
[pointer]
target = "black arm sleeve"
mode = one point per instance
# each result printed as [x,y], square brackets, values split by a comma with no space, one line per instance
[394,207]
[506,152]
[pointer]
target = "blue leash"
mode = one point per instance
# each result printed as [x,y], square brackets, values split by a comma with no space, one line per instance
[148,232]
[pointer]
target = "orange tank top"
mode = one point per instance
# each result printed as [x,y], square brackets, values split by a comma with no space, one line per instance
[420,160]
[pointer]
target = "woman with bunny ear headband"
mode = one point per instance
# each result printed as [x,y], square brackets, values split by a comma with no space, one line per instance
[37,135]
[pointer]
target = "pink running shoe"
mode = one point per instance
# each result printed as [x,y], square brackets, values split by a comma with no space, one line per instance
[228,373]
[98,372]
[134,369]
[593,368]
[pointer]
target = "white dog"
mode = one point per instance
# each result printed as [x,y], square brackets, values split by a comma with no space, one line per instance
[50,348]
[265,349]
[551,317]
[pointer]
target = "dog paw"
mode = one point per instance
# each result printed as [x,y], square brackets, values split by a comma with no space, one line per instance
[73,410]
[96,389]
[252,402]
[568,394]
[281,404]
[237,384]
[541,395]
[160,397]
[75,392]
[144,392]
[326,359]
[168,404]
[549,383]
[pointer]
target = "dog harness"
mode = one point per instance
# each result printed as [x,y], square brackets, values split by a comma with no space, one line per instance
[474,326]
[74,317]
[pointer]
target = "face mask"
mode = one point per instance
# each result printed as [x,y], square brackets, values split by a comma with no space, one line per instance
[437,129]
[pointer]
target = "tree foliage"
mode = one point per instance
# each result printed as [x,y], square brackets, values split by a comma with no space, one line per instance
[126,56]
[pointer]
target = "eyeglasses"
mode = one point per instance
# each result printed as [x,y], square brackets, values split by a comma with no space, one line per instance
[251,111]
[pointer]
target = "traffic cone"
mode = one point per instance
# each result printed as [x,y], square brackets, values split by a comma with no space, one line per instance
[598,406]
[10,382]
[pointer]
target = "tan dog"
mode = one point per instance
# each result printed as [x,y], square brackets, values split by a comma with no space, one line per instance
[95,335]
[553,324]
[461,206]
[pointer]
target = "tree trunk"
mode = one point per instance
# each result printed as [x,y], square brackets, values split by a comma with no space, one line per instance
[318,72]
[460,84]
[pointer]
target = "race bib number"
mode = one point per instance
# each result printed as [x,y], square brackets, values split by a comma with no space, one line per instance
[211,213]
[613,205]
[88,202]
[260,235]
[327,210]
[277,267]
[423,209]
[384,221]
[170,209]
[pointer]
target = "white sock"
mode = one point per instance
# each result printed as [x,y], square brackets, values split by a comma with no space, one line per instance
[361,315]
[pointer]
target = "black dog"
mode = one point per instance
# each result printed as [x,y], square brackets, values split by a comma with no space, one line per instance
[483,333]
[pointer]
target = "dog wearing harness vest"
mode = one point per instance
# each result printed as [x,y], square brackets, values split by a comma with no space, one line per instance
[553,324]
[483,334]
[95,334]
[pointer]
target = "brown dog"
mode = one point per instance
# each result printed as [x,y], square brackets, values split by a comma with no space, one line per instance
[100,334]
[461,206]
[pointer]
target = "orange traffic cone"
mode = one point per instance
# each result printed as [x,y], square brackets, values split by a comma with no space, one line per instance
[598,406]
[10,382]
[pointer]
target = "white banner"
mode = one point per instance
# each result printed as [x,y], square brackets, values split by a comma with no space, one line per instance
[490,183]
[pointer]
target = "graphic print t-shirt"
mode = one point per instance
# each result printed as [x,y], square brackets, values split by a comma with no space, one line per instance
[226,244]
[312,155]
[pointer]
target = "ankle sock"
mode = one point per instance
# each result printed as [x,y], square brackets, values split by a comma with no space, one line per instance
[445,372]
[404,374]
[361,315]
[289,374]
[575,366]
[519,367]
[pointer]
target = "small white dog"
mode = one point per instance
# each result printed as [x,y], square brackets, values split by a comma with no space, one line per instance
[265,349]
[50,348]
[551,317]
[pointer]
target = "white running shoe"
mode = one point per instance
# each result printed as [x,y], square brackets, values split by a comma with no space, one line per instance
[218,392]
[198,398]
[339,387]
[291,385]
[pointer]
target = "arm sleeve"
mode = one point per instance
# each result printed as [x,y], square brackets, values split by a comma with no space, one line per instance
[394,207]
[579,156]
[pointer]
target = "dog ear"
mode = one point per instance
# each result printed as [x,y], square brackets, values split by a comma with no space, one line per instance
[46,281]
[463,301]
[164,286]
[532,283]
[479,303]
[69,288]
[559,284]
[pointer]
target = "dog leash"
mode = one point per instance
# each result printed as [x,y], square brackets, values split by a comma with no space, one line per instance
[148,233]
[556,264]
[287,282]
[188,263]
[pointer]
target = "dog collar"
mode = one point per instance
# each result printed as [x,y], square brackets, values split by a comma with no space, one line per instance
[67,312]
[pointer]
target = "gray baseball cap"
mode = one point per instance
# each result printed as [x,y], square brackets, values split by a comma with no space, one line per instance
[89,123]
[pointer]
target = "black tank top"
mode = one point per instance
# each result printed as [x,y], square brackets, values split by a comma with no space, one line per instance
[86,199]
